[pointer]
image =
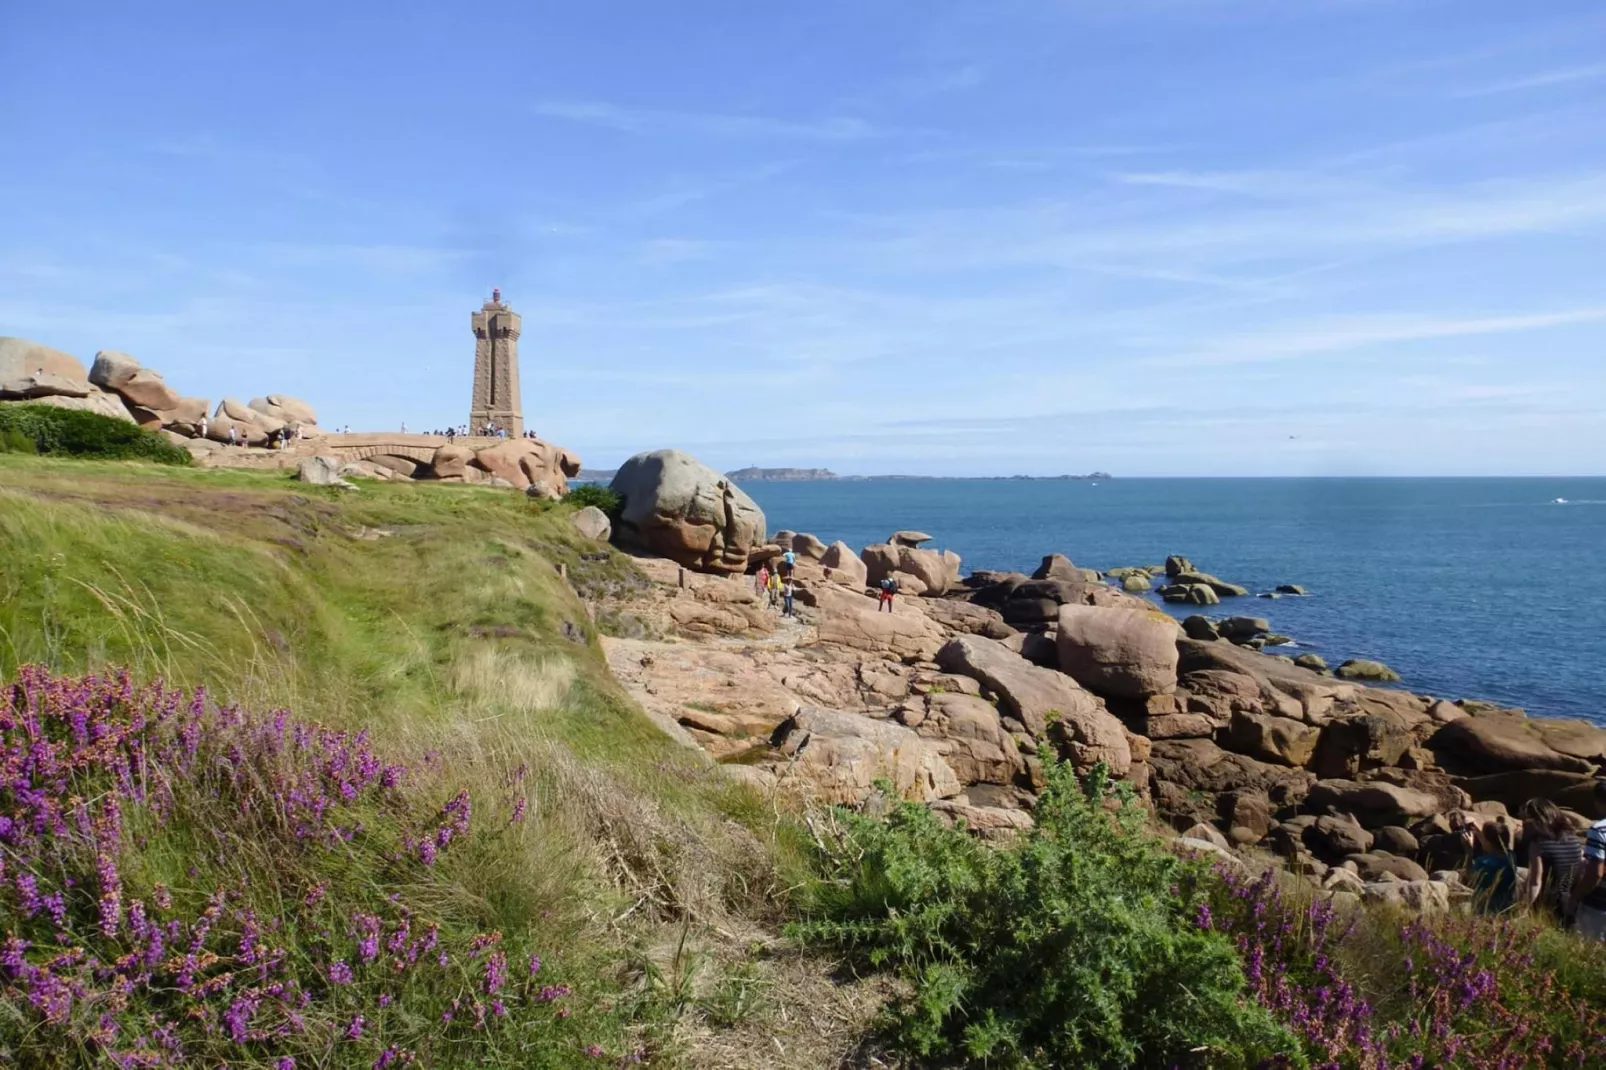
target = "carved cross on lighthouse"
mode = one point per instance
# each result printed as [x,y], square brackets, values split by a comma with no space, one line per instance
[496,368]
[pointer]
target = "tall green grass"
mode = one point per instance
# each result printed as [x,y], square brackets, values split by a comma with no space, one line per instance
[435,618]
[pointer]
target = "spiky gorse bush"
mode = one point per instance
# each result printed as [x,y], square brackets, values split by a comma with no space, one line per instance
[1074,946]
[187,884]
[1369,991]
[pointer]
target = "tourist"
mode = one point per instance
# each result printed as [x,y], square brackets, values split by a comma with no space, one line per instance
[1554,857]
[788,563]
[404,427]
[889,587]
[1589,889]
[786,597]
[1494,868]
[773,586]
[231,435]
[451,435]
[203,425]
[761,581]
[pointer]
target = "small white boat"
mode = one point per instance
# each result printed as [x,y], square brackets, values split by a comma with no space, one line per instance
[1561,501]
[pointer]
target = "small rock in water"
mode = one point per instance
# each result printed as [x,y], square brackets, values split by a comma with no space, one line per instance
[1135,583]
[1364,669]
[1270,594]
[1290,588]
[1273,639]
[1313,662]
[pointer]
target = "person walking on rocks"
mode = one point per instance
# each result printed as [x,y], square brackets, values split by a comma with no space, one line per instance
[761,582]
[1589,889]
[231,435]
[788,563]
[203,425]
[773,586]
[889,587]
[786,597]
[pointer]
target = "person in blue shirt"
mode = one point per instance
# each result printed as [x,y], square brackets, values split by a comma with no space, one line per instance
[1494,869]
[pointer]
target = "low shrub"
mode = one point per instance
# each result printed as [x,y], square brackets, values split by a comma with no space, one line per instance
[76,433]
[189,885]
[1076,945]
[1376,988]
[595,494]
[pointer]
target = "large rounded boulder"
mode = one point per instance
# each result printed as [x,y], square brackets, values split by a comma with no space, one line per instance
[530,462]
[1122,652]
[679,507]
[22,359]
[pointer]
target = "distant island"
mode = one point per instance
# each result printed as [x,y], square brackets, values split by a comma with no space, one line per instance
[780,475]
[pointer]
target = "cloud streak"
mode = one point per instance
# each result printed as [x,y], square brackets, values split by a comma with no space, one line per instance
[666,123]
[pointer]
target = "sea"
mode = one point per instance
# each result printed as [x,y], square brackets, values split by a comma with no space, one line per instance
[1491,589]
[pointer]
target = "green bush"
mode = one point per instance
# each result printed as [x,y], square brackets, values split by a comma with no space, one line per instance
[1075,945]
[83,434]
[595,494]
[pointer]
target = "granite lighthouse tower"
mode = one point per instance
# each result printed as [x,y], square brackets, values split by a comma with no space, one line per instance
[496,369]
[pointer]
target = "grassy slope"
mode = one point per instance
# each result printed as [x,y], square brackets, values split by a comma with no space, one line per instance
[433,616]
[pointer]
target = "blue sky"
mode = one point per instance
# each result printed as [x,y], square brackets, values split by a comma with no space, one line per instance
[1156,237]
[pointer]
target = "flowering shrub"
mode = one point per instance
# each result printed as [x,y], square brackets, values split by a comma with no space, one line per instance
[1074,946]
[187,884]
[1375,992]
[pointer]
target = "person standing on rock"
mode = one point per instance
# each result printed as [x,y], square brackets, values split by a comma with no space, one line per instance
[1554,857]
[786,597]
[1589,890]
[761,582]
[231,435]
[788,563]
[203,425]
[889,587]
[773,586]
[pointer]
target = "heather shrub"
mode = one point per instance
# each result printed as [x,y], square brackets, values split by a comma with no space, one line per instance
[83,434]
[182,884]
[595,494]
[1074,946]
[1377,988]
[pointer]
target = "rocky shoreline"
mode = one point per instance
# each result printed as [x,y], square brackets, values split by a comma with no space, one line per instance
[1245,753]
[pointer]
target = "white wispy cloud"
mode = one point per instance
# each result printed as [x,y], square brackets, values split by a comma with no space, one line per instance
[1539,80]
[714,124]
[1346,333]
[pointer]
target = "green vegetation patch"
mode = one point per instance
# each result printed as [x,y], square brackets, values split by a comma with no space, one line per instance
[75,433]
[1076,945]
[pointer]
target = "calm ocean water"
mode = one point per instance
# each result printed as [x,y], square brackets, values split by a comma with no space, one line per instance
[1482,588]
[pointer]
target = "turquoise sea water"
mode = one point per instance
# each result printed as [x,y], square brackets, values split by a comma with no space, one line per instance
[1483,588]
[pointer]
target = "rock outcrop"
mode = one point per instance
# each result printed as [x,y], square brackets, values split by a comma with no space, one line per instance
[680,508]
[593,523]
[845,565]
[839,756]
[1121,652]
[529,462]
[1039,698]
